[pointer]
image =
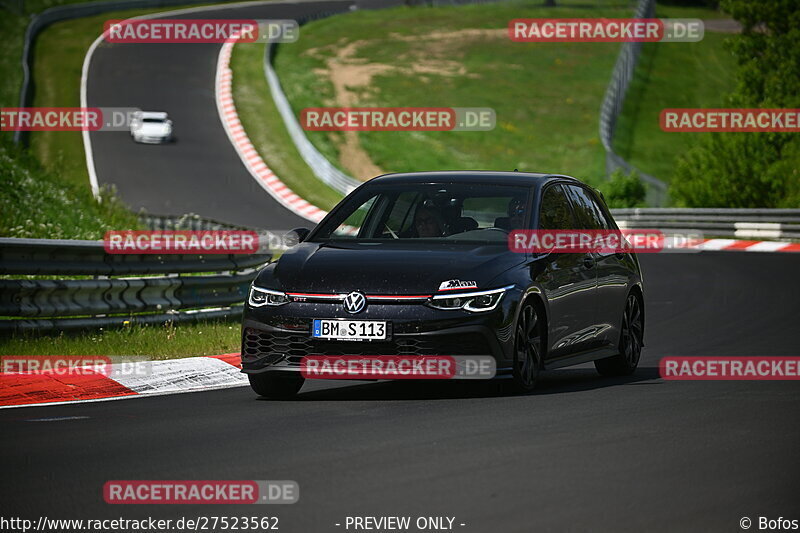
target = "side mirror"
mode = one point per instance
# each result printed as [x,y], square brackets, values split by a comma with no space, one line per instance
[296,236]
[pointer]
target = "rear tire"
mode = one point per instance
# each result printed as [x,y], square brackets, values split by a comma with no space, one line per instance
[630,342]
[276,385]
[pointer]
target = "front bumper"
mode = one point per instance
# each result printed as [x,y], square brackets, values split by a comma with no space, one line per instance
[151,140]
[277,338]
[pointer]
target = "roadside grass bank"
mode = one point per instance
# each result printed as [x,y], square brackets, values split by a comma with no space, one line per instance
[37,203]
[14,18]
[45,190]
[672,75]
[169,341]
[546,95]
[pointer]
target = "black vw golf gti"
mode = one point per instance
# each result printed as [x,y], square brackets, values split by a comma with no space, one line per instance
[419,264]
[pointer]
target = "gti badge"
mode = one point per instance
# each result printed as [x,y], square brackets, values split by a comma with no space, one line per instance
[355,302]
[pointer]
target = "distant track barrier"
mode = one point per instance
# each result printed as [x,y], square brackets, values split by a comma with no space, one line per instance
[186,222]
[612,106]
[715,222]
[323,169]
[107,290]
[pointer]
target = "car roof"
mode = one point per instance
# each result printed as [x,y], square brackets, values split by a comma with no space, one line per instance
[153,114]
[472,176]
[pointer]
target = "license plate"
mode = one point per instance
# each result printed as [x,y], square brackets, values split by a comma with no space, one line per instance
[349,330]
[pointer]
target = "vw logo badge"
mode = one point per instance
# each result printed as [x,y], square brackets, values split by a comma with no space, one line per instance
[355,302]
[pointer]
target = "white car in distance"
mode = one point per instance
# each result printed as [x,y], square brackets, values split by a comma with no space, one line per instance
[151,127]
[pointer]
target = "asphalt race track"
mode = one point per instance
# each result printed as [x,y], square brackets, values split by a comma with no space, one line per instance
[582,453]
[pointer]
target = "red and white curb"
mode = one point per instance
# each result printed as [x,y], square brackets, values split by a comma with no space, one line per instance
[247,152]
[173,376]
[734,245]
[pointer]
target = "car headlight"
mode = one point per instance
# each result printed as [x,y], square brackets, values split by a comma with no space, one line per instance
[260,297]
[474,302]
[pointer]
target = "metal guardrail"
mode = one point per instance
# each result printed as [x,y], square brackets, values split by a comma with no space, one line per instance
[186,222]
[217,285]
[323,169]
[715,222]
[47,257]
[613,102]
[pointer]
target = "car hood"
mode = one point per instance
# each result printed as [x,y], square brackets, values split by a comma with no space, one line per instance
[385,268]
[154,130]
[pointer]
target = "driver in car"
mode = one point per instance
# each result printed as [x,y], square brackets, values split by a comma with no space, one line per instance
[427,222]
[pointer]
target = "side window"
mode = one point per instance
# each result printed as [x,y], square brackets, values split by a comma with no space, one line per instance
[350,227]
[400,216]
[588,214]
[605,215]
[555,212]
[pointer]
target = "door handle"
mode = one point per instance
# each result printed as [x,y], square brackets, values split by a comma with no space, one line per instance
[588,261]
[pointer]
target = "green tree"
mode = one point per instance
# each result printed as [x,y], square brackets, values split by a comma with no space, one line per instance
[624,190]
[752,169]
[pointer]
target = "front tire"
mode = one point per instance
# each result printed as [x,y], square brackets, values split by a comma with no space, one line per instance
[630,342]
[276,385]
[527,350]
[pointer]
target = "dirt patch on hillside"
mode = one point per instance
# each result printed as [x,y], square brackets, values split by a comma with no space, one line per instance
[351,77]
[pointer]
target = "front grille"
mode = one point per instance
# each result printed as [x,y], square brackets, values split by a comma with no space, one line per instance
[274,346]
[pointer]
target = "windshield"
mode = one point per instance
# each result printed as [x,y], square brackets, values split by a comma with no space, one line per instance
[436,212]
[154,120]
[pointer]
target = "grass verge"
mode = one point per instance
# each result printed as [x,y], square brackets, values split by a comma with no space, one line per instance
[12,26]
[672,75]
[36,203]
[158,342]
[45,193]
[546,95]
